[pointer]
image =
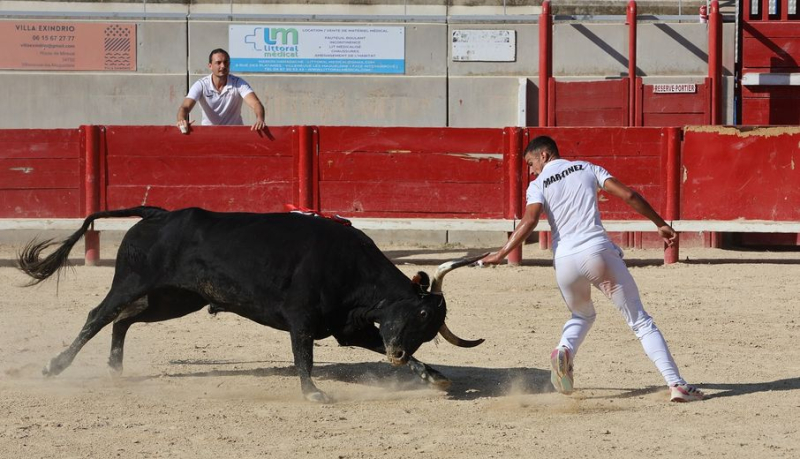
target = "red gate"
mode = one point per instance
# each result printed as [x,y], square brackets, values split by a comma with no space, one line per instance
[770,62]
[673,104]
[588,103]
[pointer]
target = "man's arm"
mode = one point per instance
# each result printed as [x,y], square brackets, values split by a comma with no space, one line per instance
[526,226]
[258,109]
[616,188]
[183,114]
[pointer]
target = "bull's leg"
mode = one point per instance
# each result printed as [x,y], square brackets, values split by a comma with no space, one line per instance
[159,305]
[370,338]
[98,318]
[118,333]
[303,349]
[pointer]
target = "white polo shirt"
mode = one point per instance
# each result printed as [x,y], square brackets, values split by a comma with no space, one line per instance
[223,108]
[568,192]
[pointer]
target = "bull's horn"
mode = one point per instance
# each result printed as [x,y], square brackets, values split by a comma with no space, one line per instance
[455,340]
[444,268]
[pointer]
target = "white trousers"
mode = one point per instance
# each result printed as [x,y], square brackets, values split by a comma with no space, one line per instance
[604,268]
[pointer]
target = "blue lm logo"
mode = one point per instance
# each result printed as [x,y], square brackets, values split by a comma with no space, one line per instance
[271,36]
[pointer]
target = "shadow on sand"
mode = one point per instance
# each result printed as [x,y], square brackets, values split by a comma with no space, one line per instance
[469,383]
[735,389]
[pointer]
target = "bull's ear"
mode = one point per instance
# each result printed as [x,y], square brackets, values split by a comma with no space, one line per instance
[422,282]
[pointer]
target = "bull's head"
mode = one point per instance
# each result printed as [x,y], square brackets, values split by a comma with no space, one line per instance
[418,320]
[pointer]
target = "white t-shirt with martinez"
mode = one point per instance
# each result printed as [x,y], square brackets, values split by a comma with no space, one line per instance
[568,192]
[220,108]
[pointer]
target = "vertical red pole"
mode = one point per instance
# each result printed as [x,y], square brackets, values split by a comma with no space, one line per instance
[715,61]
[545,59]
[630,236]
[715,74]
[631,19]
[513,171]
[545,73]
[673,201]
[91,238]
[305,158]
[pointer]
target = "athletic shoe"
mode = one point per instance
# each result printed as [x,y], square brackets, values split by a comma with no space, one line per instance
[685,393]
[561,374]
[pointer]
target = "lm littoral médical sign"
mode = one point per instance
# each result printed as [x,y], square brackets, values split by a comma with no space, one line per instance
[282,48]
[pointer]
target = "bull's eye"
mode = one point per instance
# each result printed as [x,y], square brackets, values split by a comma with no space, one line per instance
[423,314]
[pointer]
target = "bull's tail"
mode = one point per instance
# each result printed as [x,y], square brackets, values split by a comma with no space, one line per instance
[40,269]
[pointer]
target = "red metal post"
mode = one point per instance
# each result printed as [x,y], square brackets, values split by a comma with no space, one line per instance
[715,75]
[631,19]
[91,185]
[305,169]
[545,74]
[715,61]
[630,236]
[673,201]
[545,59]
[513,163]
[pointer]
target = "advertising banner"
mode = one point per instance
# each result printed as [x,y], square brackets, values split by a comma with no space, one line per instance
[286,48]
[484,45]
[47,45]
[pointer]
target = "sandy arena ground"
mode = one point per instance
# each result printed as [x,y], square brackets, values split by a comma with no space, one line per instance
[222,387]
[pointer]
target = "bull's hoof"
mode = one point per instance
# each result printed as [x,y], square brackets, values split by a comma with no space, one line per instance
[50,369]
[440,382]
[56,365]
[436,379]
[114,372]
[318,397]
[115,366]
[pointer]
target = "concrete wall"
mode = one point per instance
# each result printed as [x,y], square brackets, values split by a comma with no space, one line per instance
[417,98]
[173,46]
[150,95]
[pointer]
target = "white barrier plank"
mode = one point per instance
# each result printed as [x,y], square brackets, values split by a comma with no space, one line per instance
[40,223]
[771,79]
[434,224]
[448,224]
[737,226]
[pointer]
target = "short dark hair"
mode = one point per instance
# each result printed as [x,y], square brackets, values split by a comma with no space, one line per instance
[542,142]
[218,51]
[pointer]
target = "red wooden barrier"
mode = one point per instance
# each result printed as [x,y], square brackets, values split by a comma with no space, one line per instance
[725,174]
[637,156]
[746,173]
[411,172]
[41,173]
[218,168]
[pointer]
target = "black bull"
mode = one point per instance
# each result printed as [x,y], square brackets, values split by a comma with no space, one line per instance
[309,276]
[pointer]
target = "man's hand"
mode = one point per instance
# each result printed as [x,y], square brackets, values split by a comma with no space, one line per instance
[183,115]
[491,259]
[184,126]
[668,234]
[258,126]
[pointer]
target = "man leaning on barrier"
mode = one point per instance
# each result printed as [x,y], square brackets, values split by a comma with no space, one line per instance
[220,95]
